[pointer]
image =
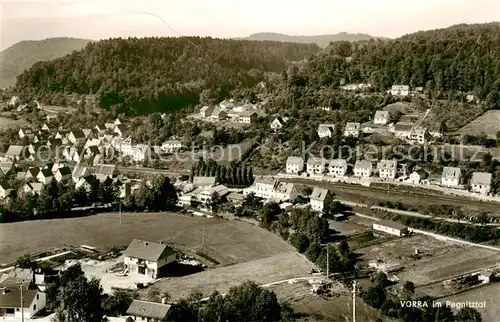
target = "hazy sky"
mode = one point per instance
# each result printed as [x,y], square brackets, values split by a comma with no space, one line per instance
[31,20]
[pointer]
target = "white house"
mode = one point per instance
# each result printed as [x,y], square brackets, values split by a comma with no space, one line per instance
[171,145]
[320,199]
[315,165]
[363,168]
[390,227]
[337,167]
[481,182]
[85,182]
[269,188]
[418,176]
[148,311]
[147,258]
[248,117]
[352,129]
[451,177]
[218,115]
[387,169]
[470,98]
[76,136]
[381,117]
[294,165]
[33,299]
[278,122]
[45,176]
[326,130]
[4,191]
[400,90]
[32,188]
[62,174]
[418,136]
[120,129]
[141,152]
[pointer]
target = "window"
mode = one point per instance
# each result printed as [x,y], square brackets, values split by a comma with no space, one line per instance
[34,307]
[38,296]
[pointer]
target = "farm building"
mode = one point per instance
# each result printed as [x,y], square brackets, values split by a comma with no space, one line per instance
[147,258]
[148,311]
[390,227]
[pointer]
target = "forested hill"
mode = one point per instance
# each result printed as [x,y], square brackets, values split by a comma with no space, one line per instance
[158,74]
[321,40]
[22,55]
[461,58]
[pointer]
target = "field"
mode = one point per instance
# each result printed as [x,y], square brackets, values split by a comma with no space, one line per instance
[489,293]
[7,122]
[489,123]
[276,268]
[227,242]
[438,259]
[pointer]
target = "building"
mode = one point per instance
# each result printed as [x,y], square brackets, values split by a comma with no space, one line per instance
[205,182]
[390,227]
[294,165]
[337,167]
[402,130]
[451,177]
[326,130]
[32,188]
[62,174]
[352,129]
[363,169]
[418,136]
[400,90]
[5,191]
[269,188]
[15,153]
[206,111]
[147,258]
[278,122]
[120,129]
[418,176]
[86,183]
[235,198]
[320,199]
[248,117]
[470,98]
[171,146]
[76,136]
[6,167]
[45,176]
[104,172]
[381,117]
[315,165]
[387,169]
[34,300]
[218,115]
[25,133]
[481,182]
[485,276]
[204,194]
[148,311]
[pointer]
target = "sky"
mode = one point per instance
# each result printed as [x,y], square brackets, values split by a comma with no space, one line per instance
[90,19]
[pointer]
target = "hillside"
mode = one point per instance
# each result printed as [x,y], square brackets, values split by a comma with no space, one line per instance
[22,55]
[320,40]
[140,76]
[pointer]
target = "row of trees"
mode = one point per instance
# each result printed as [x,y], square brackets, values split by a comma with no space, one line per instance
[230,175]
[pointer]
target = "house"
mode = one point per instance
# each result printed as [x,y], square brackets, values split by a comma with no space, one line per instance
[485,276]
[98,160]
[6,167]
[76,136]
[218,115]
[15,153]
[381,117]
[400,90]
[206,111]
[71,154]
[32,188]
[61,134]
[470,98]
[79,172]
[25,133]
[41,137]
[418,136]
[387,169]
[248,117]
[352,129]
[117,121]
[45,176]
[402,130]
[337,167]
[32,173]
[171,145]
[235,198]
[320,199]
[147,258]
[418,176]
[148,311]
[285,192]
[54,143]
[451,177]
[206,182]
[90,152]
[33,300]
[315,165]
[120,129]
[204,194]
[62,174]
[326,130]
[141,152]
[390,227]
[87,132]
[481,182]
[363,168]
[5,190]
[269,188]
[110,126]
[86,183]
[105,171]
[294,165]
[278,122]
[100,128]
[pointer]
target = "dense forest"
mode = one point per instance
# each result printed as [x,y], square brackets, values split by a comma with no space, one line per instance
[447,62]
[140,76]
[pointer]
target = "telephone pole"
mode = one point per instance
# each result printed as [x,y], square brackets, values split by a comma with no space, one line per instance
[22,309]
[354,301]
[327,262]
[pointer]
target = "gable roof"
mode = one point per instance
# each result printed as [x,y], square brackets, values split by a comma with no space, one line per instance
[451,172]
[387,164]
[121,127]
[390,224]
[106,169]
[352,126]
[35,186]
[403,127]
[146,250]
[204,181]
[248,113]
[148,309]
[14,151]
[265,180]
[382,114]
[64,171]
[338,163]
[34,171]
[363,164]
[46,173]
[326,127]
[316,161]
[482,178]
[294,160]
[319,194]
[78,134]
[12,299]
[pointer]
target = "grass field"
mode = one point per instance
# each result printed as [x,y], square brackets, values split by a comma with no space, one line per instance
[262,271]
[7,122]
[489,123]
[489,293]
[226,241]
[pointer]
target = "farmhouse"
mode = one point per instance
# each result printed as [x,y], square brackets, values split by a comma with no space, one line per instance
[400,90]
[352,129]
[387,169]
[418,176]
[337,167]
[278,122]
[147,258]
[481,182]
[33,300]
[316,165]
[294,165]
[390,227]
[248,117]
[363,168]
[381,117]
[451,177]
[206,111]
[326,130]
[320,199]
[148,311]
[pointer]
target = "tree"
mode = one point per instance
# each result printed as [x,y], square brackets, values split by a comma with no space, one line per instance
[80,300]
[313,252]
[408,289]
[117,303]
[25,262]
[344,249]
[381,280]
[300,242]
[374,296]
[468,314]
[215,202]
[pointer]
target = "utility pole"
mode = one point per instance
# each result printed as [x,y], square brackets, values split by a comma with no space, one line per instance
[22,309]
[327,262]
[354,301]
[120,210]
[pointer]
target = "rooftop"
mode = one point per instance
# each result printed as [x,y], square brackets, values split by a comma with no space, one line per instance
[146,250]
[452,172]
[319,194]
[294,160]
[338,163]
[391,224]
[363,164]
[148,309]
[381,114]
[482,178]
[14,151]
[387,164]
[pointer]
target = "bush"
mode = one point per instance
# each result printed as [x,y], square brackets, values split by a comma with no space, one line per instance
[300,242]
[313,252]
